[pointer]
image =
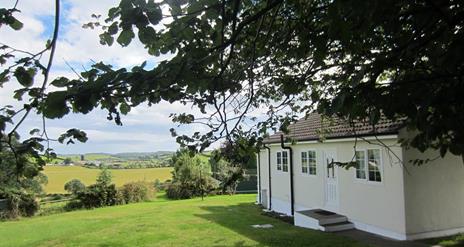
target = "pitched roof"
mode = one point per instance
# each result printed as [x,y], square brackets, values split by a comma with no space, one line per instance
[314,126]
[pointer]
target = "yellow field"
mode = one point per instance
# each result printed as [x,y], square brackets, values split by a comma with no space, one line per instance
[59,175]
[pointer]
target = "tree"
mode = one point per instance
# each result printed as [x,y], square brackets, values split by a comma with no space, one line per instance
[74,186]
[104,178]
[191,177]
[25,178]
[19,184]
[358,60]
[67,161]
[230,161]
[227,173]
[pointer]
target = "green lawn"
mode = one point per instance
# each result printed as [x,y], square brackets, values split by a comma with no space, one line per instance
[216,221]
[59,175]
[449,241]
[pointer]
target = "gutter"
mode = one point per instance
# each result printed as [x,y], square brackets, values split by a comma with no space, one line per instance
[337,138]
[269,170]
[292,198]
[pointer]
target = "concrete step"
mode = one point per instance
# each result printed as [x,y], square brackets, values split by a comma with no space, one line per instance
[322,220]
[333,220]
[336,227]
[324,217]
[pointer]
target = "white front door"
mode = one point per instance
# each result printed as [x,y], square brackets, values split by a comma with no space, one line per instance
[331,178]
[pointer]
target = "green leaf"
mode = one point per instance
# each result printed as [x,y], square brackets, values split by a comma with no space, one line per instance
[84,102]
[73,134]
[147,35]
[4,77]
[34,131]
[113,28]
[106,39]
[112,12]
[125,37]
[48,44]
[195,7]
[25,77]
[55,105]
[154,13]
[60,82]
[124,108]
[16,25]
[18,94]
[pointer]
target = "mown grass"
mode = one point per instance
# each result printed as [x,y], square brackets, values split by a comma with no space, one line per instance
[450,241]
[59,175]
[216,221]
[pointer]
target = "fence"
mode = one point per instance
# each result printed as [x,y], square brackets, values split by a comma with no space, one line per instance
[55,201]
[250,183]
[3,204]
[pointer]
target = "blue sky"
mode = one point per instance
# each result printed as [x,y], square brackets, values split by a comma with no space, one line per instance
[145,129]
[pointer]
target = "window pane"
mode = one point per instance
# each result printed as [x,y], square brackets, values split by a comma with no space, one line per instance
[312,162]
[374,165]
[312,170]
[373,154]
[360,164]
[304,162]
[312,154]
[285,161]
[279,161]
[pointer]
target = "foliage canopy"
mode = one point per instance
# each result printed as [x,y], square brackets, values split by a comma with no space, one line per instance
[233,58]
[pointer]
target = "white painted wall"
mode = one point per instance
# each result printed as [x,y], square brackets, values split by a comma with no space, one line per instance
[264,176]
[434,195]
[280,184]
[379,206]
[374,204]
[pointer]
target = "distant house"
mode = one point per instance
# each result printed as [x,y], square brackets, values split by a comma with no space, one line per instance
[66,163]
[94,163]
[383,193]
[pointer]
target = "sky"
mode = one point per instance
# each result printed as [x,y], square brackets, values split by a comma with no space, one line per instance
[145,129]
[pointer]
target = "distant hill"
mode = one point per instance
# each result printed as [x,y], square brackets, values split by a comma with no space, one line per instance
[125,155]
[138,155]
[118,160]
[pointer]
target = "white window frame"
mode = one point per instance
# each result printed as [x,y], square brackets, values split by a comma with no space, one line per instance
[366,166]
[308,163]
[302,159]
[280,162]
[364,151]
[285,164]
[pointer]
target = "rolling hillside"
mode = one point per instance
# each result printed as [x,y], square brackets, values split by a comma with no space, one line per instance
[59,175]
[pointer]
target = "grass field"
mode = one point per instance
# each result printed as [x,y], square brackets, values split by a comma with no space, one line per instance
[59,175]
[216,221]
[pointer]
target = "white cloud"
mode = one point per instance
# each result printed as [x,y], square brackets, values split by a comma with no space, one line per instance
[110,136]
[145,128]
[37,8]
[114,141]
[158,113]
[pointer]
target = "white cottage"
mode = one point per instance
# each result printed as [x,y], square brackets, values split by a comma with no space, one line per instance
[384,194]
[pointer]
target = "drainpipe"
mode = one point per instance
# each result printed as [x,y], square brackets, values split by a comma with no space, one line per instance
[269,170]
[259,175]
[290,150]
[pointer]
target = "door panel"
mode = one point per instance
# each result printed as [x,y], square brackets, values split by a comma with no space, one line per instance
[331,180]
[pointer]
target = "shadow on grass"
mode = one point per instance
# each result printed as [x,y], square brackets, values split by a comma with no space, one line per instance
[450,241]
[240,218]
